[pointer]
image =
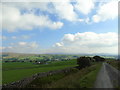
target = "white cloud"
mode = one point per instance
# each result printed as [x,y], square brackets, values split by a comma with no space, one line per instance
[13,20]
[25,36]
[22,43]
[88,42]
[4,37]
[106,11]
[58,44]
[68,37]
[84,6]
[0,17]
[14,37]
[23,47]
[65,10]
[30,6]
[1,48]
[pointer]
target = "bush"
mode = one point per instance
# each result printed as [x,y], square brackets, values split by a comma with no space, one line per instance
[83,62]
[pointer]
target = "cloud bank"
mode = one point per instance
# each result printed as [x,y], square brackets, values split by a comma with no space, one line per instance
[23,47]
[54,15]
[106,11]
[87,42]
[14,20]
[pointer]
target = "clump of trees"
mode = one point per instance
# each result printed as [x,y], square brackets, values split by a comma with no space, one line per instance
[83,62]
[86,61]
[98,58]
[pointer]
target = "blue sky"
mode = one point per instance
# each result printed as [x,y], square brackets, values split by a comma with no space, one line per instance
[61,27]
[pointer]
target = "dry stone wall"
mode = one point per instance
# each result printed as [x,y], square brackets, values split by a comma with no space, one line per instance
[22,83]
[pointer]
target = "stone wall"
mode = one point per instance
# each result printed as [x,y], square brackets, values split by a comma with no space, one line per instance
[25,81]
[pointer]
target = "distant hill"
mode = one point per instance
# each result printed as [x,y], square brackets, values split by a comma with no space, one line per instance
[7,54]
[11,54]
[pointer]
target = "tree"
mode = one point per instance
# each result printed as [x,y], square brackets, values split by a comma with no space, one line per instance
[83,62]
[98,58]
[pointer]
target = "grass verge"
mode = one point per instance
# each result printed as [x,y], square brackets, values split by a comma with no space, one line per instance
[45,81]
[84,78]
[115,64]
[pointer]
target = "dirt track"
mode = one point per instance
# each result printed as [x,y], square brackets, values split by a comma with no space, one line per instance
[108,77]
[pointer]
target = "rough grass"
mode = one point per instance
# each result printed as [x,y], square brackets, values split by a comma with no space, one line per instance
[0,72]
[84,78]
[14,75]
[115,64]
[45,81]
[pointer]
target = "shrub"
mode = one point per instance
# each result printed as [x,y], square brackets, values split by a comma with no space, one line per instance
[83,62]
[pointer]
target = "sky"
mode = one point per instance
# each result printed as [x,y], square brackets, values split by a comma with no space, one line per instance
[60,27]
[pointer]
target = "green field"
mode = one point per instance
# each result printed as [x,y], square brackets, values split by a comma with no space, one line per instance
[16,71]
[14,65]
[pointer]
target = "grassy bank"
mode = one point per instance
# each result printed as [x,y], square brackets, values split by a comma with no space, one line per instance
[79,79]
[115,64]
[45,81]
[84,78]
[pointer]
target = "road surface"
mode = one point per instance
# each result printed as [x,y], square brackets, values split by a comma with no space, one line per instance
[107,77]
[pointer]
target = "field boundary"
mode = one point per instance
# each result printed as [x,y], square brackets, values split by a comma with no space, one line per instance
[22,83]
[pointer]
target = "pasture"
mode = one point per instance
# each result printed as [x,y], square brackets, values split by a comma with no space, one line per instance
[13,71]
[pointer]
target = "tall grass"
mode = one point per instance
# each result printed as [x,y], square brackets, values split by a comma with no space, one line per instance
[115,64]
[45,81]
[85,78]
